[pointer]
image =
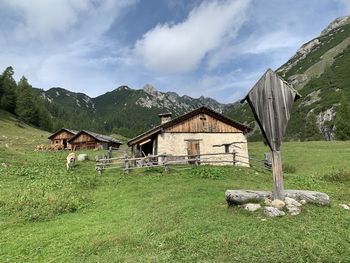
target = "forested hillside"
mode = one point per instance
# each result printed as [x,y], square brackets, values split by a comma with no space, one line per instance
[19,99]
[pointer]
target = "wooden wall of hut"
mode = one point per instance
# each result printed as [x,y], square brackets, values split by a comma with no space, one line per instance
[84,141]
[202,123]
[61,140]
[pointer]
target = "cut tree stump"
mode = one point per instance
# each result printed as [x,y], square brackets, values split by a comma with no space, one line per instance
[239,197]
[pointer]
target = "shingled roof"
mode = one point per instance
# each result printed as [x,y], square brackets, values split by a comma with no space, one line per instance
[63,129]
[96,136]
[205,110]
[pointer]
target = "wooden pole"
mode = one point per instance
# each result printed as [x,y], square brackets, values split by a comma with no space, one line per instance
[278,191]
[196,160]
[98,168]
[234,157]
[126,163]
[165,163]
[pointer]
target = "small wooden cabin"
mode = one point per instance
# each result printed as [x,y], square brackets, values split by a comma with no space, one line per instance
[59,139]
[91,140]
[202,131]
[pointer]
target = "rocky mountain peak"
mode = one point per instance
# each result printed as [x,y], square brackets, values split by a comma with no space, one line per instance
[148,88]
[340,21]
[122,88]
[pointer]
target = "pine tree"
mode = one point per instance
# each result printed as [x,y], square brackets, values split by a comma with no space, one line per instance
[8,88]
[342,120]
[26,108]
[45,121]
[311,131]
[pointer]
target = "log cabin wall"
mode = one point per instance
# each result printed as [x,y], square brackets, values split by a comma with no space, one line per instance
[58,140]
[202,123]
[85,141]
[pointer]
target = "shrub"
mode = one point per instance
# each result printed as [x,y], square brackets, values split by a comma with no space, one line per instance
[208,172]
[339,175]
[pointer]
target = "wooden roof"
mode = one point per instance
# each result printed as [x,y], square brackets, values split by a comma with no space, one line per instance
[171,123]
[96,136]
[73,132]
[271,100]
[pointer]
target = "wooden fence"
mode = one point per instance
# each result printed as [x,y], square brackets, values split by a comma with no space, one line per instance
[165,160]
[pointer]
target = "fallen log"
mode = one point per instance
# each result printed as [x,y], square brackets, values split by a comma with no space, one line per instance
[239,197]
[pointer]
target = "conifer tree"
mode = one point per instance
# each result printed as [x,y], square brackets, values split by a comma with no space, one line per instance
[311,131]
[342,120]
[26,108]
[8,90]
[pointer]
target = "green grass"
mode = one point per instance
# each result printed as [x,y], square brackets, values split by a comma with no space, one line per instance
[50,215]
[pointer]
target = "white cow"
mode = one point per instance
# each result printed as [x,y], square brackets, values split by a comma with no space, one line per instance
[70,160]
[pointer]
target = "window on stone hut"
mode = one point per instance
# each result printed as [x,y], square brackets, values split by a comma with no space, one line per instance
[227,148]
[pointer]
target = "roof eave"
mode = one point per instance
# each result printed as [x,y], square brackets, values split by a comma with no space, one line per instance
[144,136]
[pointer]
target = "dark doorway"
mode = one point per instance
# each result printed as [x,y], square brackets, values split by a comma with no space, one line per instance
[147,148]
[64,143]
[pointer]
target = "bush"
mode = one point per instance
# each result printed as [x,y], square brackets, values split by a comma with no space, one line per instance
[207,172]
[339,175]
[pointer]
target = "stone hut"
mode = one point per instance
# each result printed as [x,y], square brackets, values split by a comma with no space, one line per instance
[201,131]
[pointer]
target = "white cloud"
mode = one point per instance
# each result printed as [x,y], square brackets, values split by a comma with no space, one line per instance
[256,44]
[45,19]
[41,18]
[181,47]
[63,43]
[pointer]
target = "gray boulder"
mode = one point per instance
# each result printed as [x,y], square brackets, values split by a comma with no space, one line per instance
[293,210]
[82,157]
[309,196]
[273,212]
[251,207]
[345,206]
[291,201]
[239,197]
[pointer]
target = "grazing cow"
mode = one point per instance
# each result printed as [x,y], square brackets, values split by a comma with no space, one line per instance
[70,160]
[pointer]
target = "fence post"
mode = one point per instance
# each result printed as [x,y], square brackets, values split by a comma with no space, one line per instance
[126,164]
[165,163]
[196,160]
[109,153]
[234,157]
[98,167]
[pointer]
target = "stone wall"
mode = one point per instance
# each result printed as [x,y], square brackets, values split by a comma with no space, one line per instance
[176,144]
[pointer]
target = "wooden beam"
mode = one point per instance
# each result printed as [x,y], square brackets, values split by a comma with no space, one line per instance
[277,173]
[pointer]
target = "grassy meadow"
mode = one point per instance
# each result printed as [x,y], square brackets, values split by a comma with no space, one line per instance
[50,215]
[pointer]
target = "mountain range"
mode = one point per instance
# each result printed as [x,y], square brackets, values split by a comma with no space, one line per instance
[124,110]
[319,71]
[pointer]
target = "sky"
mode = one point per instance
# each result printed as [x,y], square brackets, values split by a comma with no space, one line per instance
[211,48]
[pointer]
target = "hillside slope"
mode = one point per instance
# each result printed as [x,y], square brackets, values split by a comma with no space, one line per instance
[17,138]
[320,72]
